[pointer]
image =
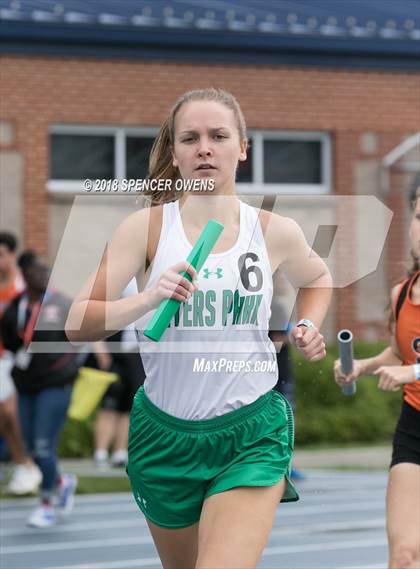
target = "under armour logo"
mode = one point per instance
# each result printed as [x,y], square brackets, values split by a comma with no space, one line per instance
[218,272]
[141,500]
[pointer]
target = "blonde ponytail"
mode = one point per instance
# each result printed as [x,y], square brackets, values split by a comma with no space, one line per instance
[161,166]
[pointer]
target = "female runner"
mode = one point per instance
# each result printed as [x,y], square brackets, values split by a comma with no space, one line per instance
[210,442]
[399,366]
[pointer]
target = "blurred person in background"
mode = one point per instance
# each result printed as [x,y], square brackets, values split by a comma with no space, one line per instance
[398,366]
[286,380]
[26,475]
[113,418]
[43,380]
[118,354]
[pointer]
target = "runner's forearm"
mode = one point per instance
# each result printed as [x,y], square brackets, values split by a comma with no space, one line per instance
[313,303]
[385,358]
[93,320]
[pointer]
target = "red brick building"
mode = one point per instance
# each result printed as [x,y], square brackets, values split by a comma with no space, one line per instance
[327,95]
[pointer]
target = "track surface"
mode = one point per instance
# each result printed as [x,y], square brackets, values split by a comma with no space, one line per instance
[339,523]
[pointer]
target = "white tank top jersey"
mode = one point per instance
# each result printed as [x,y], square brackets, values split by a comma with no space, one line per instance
[215,355]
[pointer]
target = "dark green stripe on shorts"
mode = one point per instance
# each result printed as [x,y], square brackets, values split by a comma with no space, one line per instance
[175,464]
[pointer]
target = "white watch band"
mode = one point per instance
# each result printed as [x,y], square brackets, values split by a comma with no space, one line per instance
[306,322]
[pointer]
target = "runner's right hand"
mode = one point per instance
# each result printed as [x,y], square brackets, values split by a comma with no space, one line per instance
[343,379]
[172,285]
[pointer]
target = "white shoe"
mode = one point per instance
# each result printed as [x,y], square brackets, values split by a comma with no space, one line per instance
[66,491]
[119,458]
[25,480]
[42,517]
[101,459]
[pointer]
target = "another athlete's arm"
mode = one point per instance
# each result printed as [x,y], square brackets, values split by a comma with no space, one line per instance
[102,356]
[390,356]
[366,366]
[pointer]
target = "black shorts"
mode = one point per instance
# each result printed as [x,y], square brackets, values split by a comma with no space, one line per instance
[285,383]
[406,443]
[119,396]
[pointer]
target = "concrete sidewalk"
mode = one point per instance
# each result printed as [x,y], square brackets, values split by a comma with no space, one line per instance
[377,457]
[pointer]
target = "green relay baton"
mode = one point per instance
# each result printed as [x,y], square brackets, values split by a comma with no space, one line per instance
[199,253]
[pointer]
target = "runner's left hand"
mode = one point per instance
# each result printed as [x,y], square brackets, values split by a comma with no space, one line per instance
[309,342]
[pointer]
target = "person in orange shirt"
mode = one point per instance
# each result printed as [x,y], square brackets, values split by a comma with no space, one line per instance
[399,366]
[26,476]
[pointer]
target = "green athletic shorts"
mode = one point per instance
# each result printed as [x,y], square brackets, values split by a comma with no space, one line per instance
[175,464]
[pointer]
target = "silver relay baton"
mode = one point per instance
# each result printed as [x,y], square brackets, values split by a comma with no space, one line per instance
[345,346]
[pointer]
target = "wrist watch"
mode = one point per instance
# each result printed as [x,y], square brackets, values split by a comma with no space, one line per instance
[417,371]
[306,322]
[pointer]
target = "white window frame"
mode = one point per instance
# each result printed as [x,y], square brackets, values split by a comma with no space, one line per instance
[257,186]
[120,135]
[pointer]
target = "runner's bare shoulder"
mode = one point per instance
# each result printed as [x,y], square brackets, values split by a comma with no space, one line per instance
[282,235]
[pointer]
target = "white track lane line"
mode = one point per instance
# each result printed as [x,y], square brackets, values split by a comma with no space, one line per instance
[377,566]
[375,523]
[280,532]
[337,545]
[290,510]
[80,510]
[334,508]
[152,561]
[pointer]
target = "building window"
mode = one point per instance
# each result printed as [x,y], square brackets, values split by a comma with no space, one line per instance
[244,172]
[292,162]
[277,162]
[77,157]
[286,163]
[78,153]
[137,156]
